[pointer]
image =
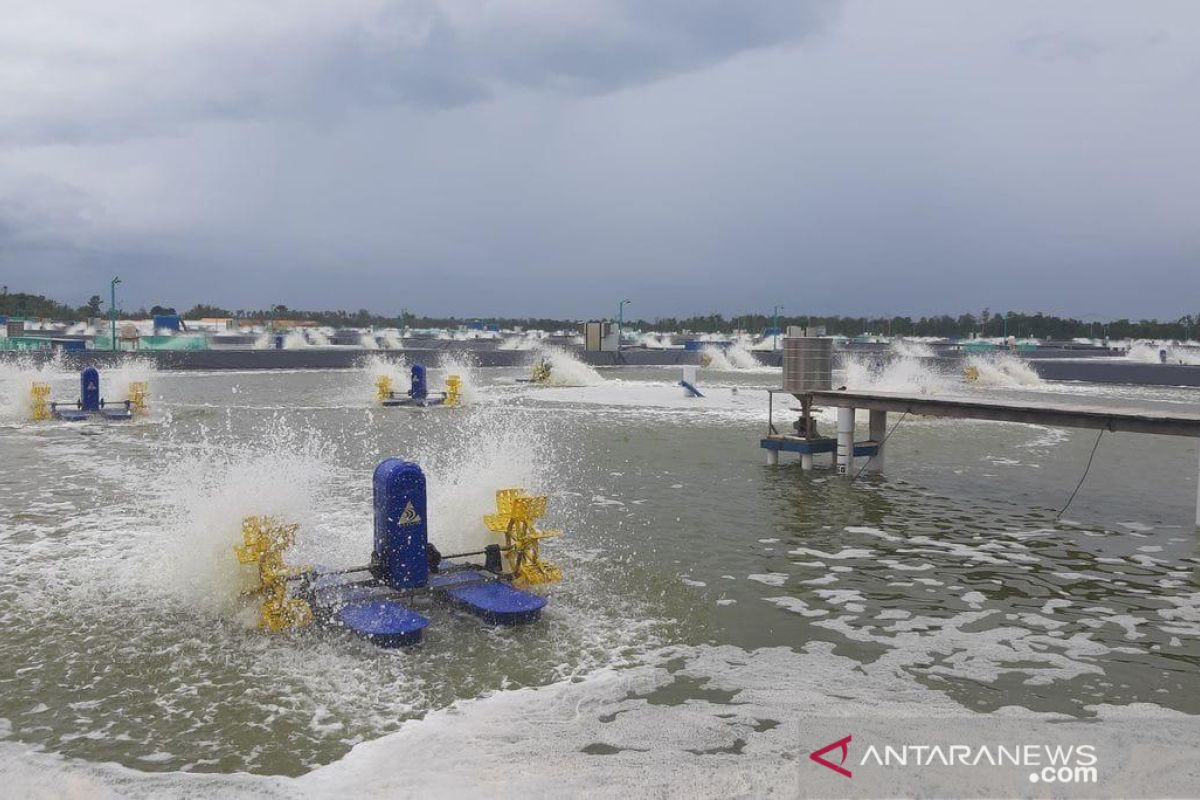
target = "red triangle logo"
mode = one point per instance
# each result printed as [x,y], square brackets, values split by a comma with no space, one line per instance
[840,744]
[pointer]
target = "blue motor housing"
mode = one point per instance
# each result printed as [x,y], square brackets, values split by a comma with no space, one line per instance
[89,389]
[400,557]
[420,387]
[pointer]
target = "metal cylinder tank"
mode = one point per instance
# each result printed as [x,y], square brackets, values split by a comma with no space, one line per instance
[807,364]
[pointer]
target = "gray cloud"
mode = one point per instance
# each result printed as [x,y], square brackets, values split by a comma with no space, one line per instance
[546,158]
[131,68]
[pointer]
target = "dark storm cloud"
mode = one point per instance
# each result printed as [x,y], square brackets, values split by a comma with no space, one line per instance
[535,157]
[311,63]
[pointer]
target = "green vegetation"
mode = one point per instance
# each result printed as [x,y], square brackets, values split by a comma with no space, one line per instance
[1012,323]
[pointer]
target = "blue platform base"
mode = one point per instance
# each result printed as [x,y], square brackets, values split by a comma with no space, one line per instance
[412,402]
[385,623]
[495,602]
[115,414]
[374,611]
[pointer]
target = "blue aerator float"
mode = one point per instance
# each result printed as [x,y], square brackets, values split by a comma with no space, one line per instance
[418,393]
[373,601]
[90,404]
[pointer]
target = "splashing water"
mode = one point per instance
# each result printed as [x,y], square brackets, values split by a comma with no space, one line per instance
[368,342]
[395,368]
[203,498]
[1002,369]
[715,359]
[1148,352]
[489,450]
[115,381]
[19,374]
[656,341]
[736,356]
[911,348]
[566,369]
[464,366]
[527,340]
[392,340]
[911,375]
[905,374]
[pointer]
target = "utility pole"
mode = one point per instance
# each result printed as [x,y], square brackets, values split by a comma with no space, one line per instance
[621,321]
[775,327]
[112,310]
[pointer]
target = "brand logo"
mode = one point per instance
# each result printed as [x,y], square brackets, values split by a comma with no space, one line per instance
[1070,763]
[841,744]
[409,516]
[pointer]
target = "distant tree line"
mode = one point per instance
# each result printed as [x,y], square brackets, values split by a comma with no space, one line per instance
[985,323]
[1012,323]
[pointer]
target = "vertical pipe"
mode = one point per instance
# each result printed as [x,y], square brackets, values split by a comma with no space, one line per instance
[878,433]
[112,310]
[1198,498]
[772,457]
[845,440]
[806,462]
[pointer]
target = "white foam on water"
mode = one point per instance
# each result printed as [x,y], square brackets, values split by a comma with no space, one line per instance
[368,342]
[604,735]
[665,399]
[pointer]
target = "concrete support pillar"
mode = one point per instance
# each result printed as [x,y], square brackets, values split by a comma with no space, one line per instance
[845,440]
[878,432]
[806,462]
[772,458]
[1198,497]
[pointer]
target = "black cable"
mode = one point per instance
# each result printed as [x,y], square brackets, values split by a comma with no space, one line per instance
[1082,478]
[881,444]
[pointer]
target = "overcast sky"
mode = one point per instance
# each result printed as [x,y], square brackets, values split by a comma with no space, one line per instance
[529,157]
